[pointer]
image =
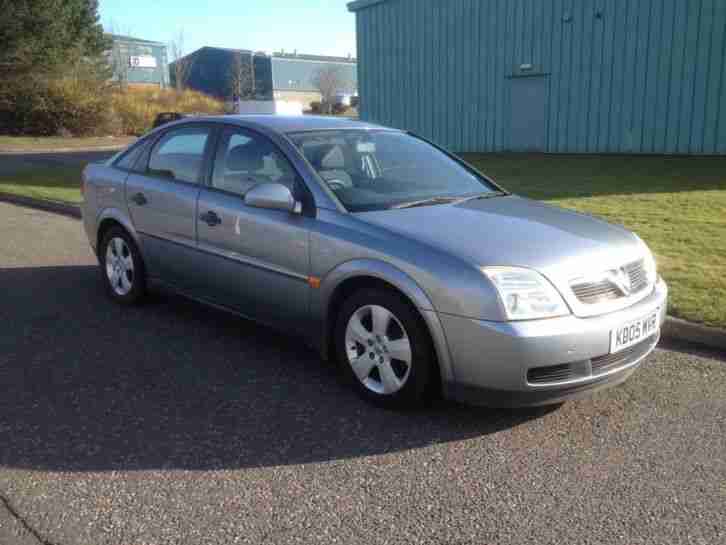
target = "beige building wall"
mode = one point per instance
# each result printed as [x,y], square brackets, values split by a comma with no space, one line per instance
[303,97]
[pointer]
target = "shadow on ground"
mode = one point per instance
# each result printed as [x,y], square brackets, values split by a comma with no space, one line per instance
[86,385]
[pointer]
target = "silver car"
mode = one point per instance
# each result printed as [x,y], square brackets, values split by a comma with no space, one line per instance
[416,273]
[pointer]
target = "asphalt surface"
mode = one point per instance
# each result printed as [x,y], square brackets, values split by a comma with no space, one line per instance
[174,423]
[12,162]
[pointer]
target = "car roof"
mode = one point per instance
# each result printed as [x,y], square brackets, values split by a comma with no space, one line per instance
[293,123]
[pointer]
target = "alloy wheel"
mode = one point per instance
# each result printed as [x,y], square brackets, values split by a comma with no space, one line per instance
[119,266]
[378,349]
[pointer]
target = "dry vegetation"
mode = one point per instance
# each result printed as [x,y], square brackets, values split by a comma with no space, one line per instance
[86,107]
[135,109]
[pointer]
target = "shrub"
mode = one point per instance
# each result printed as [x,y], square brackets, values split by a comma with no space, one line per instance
[339,109]
[47,106]
[40,106]
[136,109]
[316,107]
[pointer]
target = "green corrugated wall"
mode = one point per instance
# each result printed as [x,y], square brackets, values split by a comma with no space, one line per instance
[622,76]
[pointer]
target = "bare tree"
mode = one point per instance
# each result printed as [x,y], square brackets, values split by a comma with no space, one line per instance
[242,76]
[330,81]
[181,64]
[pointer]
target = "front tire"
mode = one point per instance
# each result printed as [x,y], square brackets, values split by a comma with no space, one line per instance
[122,267]
[385,350]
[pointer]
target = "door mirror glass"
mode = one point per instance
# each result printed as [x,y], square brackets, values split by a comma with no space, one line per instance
[272,196]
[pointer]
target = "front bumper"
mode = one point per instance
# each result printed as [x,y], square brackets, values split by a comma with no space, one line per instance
[491,361]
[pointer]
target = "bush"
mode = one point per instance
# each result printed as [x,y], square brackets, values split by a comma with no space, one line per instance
[46,106]
[41,106]
[316,107]
[339,109]
[136,109]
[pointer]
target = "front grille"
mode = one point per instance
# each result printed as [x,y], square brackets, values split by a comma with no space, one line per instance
[638,276]
[606,363]
[596,292]
[591,368]
[591,293]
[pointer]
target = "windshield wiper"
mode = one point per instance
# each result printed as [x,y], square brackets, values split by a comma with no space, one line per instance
[425,202]
[482,196]
[449,200]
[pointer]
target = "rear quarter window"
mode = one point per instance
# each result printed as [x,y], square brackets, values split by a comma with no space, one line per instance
[129,160]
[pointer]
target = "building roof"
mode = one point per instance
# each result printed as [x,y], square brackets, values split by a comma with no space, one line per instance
[282,55]
[315,58]
[230,49]
[122,38]
[362,4]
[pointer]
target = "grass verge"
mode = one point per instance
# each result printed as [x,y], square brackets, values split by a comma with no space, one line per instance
[58,183]
[45,143]
[676,204]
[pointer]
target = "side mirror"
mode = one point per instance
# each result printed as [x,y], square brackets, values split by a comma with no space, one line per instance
[273,197]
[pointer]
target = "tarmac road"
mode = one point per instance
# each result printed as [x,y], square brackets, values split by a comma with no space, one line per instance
[174,423]
[14,161]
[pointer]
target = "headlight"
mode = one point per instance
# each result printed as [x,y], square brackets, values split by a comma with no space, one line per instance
[526,294]
[651,269]
[649,264]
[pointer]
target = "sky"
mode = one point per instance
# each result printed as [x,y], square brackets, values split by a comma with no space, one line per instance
[321,27]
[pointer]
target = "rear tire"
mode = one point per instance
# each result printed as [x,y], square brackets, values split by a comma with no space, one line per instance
[384,350]
[122,267]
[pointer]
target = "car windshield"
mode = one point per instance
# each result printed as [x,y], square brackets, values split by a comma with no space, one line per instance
[379,169]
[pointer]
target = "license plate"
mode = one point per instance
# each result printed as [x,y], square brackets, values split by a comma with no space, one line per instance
[633,332]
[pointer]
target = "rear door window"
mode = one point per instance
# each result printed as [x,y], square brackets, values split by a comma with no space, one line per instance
[179,154]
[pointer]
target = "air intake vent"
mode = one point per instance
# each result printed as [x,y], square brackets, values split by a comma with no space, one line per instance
[558,373]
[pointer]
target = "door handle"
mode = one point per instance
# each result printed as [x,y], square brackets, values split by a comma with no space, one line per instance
[139,199]
[211,218]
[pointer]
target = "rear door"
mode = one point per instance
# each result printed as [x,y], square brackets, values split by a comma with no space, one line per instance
[257,259]
[162,202]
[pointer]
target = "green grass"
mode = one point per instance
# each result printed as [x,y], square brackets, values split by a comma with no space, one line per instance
[676,204]
[29,143]
[58,183]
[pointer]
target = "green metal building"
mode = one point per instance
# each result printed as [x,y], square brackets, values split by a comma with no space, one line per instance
[557,76]
[138,62]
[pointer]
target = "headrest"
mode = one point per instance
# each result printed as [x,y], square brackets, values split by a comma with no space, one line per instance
[333,159]
[247,157]
[325,156]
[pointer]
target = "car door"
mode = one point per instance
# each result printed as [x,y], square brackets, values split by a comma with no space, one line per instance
[162,201]
[258,258]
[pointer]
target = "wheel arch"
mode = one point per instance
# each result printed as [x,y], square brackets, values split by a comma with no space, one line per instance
[360,274]
[109,218]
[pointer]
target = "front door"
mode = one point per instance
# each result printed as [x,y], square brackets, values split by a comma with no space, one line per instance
[528,123]
[162,202]
[258,259]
